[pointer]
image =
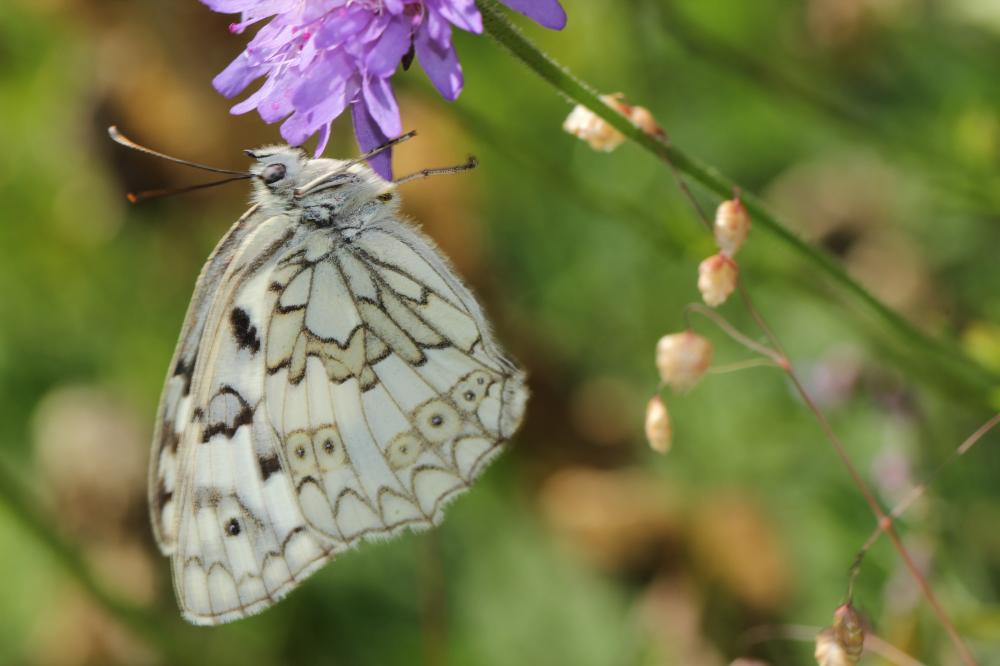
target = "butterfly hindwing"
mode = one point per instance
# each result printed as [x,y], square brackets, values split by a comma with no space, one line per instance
[384,384]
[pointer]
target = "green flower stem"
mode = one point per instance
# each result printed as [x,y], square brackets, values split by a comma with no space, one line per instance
[948,360]
[938,168]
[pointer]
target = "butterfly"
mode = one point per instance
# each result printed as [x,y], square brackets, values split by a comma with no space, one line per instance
[335,382]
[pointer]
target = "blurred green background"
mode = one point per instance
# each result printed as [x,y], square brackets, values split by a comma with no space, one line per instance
[872,126]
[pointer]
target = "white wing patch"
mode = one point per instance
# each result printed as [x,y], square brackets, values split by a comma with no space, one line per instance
[380,386]
[325,392]
[174,414]
[241,541]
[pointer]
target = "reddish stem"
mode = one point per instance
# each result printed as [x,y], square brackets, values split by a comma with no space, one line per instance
[884,520]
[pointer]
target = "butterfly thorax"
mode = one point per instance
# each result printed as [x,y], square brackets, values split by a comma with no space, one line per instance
[320,192]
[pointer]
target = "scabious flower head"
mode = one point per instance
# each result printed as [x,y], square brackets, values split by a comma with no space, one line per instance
[320,57]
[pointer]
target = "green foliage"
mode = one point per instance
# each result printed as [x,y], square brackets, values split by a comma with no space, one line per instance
[583,260]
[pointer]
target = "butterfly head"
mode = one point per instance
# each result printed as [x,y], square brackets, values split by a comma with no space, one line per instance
[278,169]
[291,177]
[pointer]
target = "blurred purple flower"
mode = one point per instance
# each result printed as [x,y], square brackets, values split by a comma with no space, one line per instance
[321,56]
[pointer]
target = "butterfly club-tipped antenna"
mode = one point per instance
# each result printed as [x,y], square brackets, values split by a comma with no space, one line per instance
[305,189]
[136,197]
[469,165]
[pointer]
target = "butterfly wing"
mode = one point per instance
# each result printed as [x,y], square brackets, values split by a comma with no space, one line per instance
[174,413]
[239,539]
[384,383]
[339,391]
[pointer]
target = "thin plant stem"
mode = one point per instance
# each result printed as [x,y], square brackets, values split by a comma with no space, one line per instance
[971,373]
[742,365]
[884,521]
[947,359]
[921,488]
[919,491]
[699,42]
[776,354]
[556,178]
[727,328]
[800,632]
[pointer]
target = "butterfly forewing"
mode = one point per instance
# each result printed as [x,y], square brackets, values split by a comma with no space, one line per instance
[173,417]
[242,541]
[333,389]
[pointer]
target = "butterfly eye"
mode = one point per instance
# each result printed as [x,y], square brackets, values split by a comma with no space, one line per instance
[272,173]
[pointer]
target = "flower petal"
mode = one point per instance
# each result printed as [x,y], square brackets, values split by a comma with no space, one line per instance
[307,121]
[233,6]
[342,24]
[276,105]
[548,13]
[251,102]
[319,56]
[237,76]
[370,136]
[441,64]
[385,54]
[324,137]
[463,13]
[437,27]
[382,106]
[326,77]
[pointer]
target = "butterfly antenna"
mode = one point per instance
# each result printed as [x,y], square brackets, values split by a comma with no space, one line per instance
[472,163]
[357,160]
[146,195]
[123,140]
[378,149]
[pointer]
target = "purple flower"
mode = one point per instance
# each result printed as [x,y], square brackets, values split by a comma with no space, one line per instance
[321,56]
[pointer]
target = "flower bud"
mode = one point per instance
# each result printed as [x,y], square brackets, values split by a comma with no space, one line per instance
[717,279]
[659,431]
[732,224]
[642,118]
[585,124]
[682,358]
[828,651]
[849,630]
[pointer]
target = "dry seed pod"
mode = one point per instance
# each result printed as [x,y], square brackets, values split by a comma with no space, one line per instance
[642,118]
[849,630]
[585,124]
[682,358]
[829,652]
[659,431]
[717,279]
[732,224]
